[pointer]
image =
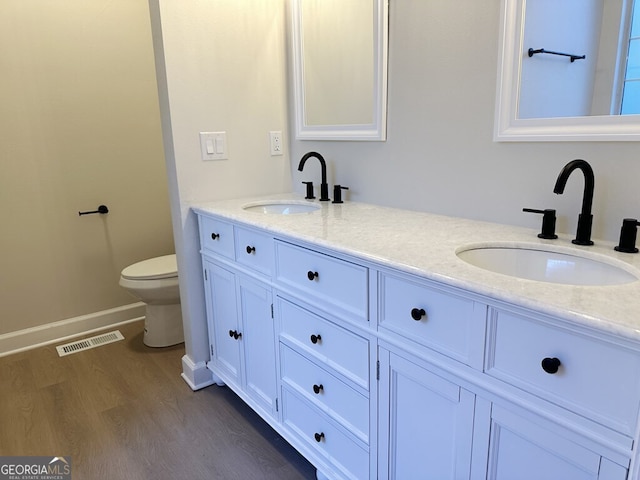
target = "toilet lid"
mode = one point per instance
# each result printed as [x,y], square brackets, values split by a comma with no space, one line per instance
[153,268]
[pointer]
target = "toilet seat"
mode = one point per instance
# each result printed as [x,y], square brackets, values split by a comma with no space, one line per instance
[152,269]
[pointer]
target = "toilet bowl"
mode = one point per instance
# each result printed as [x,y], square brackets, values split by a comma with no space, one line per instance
[155,282]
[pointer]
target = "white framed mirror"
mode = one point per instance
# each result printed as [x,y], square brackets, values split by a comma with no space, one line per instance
[556,95]
[339,69]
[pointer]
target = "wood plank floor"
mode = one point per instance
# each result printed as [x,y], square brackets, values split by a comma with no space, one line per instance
[122,411]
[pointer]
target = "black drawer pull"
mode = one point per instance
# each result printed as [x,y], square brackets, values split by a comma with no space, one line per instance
[417,313]
[235,334]
[318,388]
[312,275]
[550,365]
[315,338]
[318,436]
[215,236]
[250,250]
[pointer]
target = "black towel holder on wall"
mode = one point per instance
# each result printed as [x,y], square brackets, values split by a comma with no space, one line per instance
[573,57]
[102,209]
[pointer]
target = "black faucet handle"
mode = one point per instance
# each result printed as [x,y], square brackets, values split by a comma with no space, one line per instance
[628,234]
[548,222]
[337,193]
[310,195]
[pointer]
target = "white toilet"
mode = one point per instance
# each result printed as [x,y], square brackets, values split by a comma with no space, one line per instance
[155,282]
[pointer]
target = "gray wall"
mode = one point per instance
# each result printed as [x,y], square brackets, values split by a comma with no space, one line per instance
[439,155]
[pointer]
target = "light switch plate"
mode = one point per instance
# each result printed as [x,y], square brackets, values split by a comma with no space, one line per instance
[213,145]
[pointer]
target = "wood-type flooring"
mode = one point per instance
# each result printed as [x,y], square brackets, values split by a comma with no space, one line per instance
[122,411]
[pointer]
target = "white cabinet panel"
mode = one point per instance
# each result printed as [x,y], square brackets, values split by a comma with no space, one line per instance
[449,323]
[258,343]
[426,431]
[529,450]
[332,282]
[325,436]
[254,250]
[216,236]
[330,394]
[337,347]
[221,299]
[596,378]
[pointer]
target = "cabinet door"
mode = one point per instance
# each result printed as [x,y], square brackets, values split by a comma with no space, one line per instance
[258,342]
[529,448]
[429,429]
[223,322]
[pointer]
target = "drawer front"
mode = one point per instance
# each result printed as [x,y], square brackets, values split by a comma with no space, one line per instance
[255,250]
[216,236]
[323,279]
[595,378]
[339,349]
[450,324]
[335,398]
[324,436]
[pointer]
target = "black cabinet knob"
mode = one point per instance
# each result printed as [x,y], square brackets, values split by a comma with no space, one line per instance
[315,338]
[215,236]
[318,388]
[312,275]
[235,334]
[250,249]
[550,365]
[318,436]
[418,313]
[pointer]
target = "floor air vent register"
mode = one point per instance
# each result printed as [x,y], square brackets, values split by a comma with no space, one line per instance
[87,343]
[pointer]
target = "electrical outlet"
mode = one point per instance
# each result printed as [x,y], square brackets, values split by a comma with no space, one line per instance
[276,143]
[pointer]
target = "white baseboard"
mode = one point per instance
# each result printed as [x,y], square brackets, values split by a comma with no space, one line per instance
[197,375]
[62,330]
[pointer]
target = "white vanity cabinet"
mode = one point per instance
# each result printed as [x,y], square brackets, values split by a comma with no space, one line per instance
[325,358]
[426,417]
[240,312]
[373,370]
[471,390]
[583,392]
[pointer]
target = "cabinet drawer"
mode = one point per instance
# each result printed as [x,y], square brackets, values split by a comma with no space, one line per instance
[255,250]
[339,349]
[348,407]
[443,321]
[216,236]
[323,279]
[595,377]
[324,436]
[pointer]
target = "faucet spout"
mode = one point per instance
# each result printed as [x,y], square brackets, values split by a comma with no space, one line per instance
[585,218]
[324,186]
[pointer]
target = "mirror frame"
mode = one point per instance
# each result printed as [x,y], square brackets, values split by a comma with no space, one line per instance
[376,131]
[509,128]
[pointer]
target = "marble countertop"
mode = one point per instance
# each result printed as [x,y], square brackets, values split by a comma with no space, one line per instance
[425,244]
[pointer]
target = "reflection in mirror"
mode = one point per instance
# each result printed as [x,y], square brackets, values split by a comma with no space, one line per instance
[339,57]
[580,82]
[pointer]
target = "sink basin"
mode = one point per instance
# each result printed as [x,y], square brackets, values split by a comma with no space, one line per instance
[535,263]
[281,208]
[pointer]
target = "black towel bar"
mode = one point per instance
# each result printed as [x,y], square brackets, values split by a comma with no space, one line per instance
[532,52]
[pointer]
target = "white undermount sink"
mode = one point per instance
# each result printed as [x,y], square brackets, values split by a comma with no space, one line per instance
[537,263]
[285,207]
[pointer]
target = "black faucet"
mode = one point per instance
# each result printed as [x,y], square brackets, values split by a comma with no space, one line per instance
[585,219]
[324,186]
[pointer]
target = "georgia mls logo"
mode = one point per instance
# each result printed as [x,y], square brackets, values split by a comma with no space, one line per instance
[35,468]
[59,465]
